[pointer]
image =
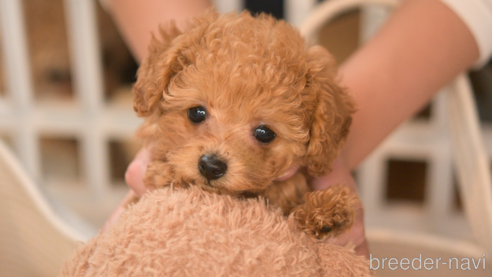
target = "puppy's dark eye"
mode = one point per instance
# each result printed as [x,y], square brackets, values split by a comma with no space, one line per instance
[263,134]
[326,229]
[197,114]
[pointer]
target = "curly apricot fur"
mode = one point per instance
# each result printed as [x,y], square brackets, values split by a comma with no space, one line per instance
[332,210]
[245,71]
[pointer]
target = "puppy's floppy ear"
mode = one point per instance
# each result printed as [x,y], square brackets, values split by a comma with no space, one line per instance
[331,116]
[156,70]
[167,56]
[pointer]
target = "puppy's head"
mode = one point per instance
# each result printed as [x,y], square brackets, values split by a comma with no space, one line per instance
[235,101]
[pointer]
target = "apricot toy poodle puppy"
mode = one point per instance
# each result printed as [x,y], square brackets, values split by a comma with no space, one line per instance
[236,101]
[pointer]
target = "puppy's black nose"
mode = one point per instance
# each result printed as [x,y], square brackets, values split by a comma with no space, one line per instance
[211,167]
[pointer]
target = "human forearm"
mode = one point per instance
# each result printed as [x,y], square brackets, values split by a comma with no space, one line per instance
[138,19]
[423,46]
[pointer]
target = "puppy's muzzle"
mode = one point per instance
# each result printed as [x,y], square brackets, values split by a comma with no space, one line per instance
[211,167]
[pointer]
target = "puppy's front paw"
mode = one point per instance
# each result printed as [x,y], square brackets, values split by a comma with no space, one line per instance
[327,212]
[158,175]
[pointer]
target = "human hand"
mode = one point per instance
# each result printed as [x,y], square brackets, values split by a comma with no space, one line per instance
[134,179]
[356,235]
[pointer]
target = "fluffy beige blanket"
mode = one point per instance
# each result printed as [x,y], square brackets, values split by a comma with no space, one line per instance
[188,232]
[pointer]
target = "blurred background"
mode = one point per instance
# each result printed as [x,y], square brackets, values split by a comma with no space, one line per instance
[66,112]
